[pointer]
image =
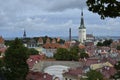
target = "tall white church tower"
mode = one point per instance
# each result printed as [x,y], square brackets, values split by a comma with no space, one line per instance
[82,30]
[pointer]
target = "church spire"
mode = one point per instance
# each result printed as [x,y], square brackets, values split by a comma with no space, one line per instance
[82,21]
[82,30]
[24,35]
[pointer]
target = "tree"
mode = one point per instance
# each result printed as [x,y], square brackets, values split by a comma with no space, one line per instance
[61,54]
[107,42]
[94,75]
[99,44]
[105,8]
[117,67]
[8,42]
[83,54]
[1,72]
[64,54]
[15,65]
[33,51]
[74,53]
[118,47]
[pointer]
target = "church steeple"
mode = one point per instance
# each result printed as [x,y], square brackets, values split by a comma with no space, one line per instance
[82,30]
[82,26]
[24,35]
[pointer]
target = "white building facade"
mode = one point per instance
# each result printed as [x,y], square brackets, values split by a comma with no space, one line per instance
[82,30]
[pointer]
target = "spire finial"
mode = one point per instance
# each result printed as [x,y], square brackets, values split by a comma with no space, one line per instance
[24,35]
[82,12]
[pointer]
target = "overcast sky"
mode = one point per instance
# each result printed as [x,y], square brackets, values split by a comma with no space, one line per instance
[52,18]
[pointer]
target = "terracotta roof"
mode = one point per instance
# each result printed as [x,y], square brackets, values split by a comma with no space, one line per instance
[115,43]
[88,62]
[67,44]
[40,40]
[48,40]
[107,71]
[34,59]
[1,40]
[38,76]
[81,46]
[112,61]
[53,46]
[91,50]
[3,50]
[53,41]
[74,72]
[58,39]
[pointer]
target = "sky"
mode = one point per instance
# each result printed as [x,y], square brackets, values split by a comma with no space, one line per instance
[52,18]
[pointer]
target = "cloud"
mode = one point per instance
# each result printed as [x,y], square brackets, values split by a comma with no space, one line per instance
[107,27]
[50,17]
[61,5]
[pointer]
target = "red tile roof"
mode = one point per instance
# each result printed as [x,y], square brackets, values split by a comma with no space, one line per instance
[1,40]
[112,61]
[58,39]
[81,46]
[108,71]
[67,44]
[53,46]
[2,50]
[74,72]
[88,62]
[53,41]
[38,76]
[40,40]
[34,59]
[48,40]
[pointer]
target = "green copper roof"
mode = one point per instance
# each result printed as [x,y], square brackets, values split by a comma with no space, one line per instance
[82,26]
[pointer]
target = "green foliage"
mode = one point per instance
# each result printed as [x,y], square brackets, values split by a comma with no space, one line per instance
[105,8]
[8,42]
[94,75]
[61,54]
[105,43]
[117,75]
[74,53]
[15,64]
[99,44]
[33,51]
[83,54]
[117,66]
[64,54]
[118,47]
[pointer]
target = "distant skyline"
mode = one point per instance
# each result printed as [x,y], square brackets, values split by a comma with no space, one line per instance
[52,18]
